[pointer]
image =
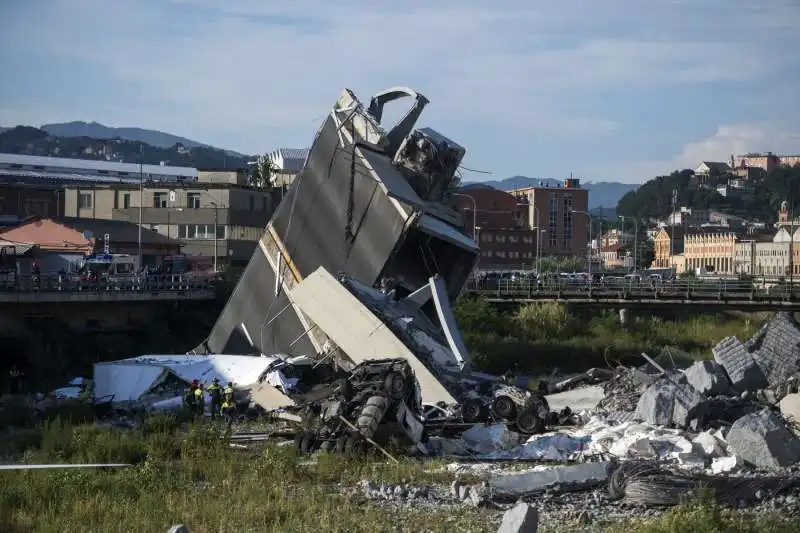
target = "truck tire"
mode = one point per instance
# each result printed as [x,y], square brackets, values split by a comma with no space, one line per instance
[396,385]
[371,416]
[528,422]
[355,445]
[504,407]
[472,411]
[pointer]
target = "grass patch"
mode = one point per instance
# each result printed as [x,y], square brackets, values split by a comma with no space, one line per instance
[191,476]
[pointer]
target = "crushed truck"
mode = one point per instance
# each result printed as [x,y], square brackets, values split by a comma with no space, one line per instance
[378,400]
[362,257]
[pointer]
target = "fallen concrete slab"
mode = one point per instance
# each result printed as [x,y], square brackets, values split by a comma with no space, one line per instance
[580,399]
[708,378]
[571,477]
[357,331]
[522,518]
[763,440]
[743,371]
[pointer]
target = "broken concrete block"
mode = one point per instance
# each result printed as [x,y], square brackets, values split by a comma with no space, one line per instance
[725,465]
[743,372]
[657,404]
[179,528]
[710,444]
[709,378]
[585,475]
[778,366]
[790,407]
[687,402]
[522,518]
[762,439]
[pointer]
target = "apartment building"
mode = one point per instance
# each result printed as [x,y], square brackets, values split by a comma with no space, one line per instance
[561,215]
[498,223]
[21,200]
[218,216]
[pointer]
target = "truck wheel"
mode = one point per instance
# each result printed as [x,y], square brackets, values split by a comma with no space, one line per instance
[371,416]
[395,385]
[529,423]
[355,446]
[472,411]
[504,407]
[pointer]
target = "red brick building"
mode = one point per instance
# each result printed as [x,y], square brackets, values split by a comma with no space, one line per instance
[501,228]
[559,211]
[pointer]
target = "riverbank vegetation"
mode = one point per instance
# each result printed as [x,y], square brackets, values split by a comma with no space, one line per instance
[541,336]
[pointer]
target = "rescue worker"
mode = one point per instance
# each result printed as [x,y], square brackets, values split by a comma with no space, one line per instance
[228,405]
[189,397]
[215,393]
[200,399]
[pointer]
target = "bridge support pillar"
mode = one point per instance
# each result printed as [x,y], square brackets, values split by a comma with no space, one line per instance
[624,316]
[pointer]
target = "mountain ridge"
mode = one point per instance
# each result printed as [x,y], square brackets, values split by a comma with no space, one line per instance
[601,193]
[95,130]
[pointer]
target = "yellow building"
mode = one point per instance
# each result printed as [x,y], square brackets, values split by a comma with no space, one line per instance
[667,243]
[712,251]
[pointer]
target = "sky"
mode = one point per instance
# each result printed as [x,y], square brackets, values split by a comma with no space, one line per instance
[612,90]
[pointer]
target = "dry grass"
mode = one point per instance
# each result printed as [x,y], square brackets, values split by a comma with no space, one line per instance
[190,475]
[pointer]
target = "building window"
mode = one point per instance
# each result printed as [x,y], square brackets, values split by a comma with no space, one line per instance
[154,227]
[201,231]
[126,201]
[160,200]
[513,239]
[193,200]
[501,238]
[85,200]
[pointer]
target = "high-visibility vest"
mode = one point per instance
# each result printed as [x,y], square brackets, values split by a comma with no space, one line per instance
[198,393]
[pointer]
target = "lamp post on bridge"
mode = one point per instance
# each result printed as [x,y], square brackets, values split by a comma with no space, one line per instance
[588,249]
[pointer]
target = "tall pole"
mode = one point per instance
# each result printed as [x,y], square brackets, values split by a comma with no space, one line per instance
[588,248]
[635,246]
[474,213]
[141,200]
[538,237]
[215,238]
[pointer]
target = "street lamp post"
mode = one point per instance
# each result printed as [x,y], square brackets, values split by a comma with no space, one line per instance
[474,213]
[635,240]
[141,200]
[216,221]
[538,237]
[588,249]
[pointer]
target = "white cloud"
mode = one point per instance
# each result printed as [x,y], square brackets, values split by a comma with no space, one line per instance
[259,73]
[727,140]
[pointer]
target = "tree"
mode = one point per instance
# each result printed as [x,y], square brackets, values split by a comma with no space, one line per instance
[261,174]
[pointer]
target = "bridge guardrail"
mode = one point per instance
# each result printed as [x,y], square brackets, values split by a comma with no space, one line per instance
[636,290]
[67,283]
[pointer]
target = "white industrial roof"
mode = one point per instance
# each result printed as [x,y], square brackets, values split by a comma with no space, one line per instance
[291,159]
[43,176]
[63,163]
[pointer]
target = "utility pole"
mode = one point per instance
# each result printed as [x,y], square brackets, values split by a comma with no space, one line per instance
[141,200]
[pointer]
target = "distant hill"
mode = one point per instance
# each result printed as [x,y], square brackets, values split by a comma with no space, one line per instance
[601,193]
[33,141]
[95,130]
